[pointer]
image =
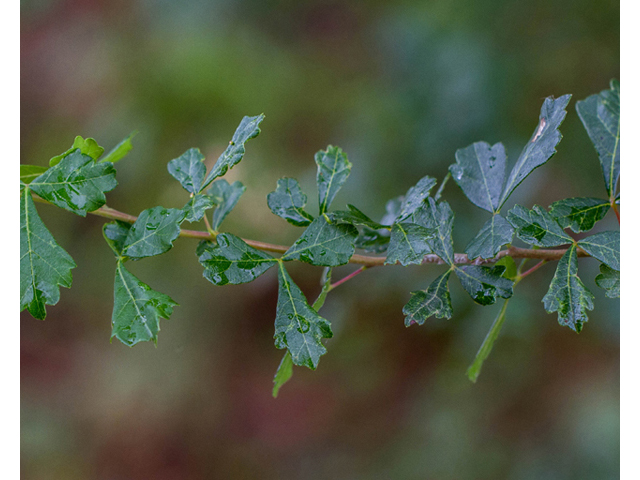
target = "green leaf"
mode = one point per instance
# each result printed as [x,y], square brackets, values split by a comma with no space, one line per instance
[225,196]
[433,301]
[484,284]
[333,170]
[509,264]
[283,374]
[288,202]
[118,152]
[373,241]
[480,173]
[487,345]
[299,328]
[579,214]
[567,294]
[600,115]
[153,232]
[495,233]
[415,199]
[87,147]
[232,261]
[604,246]
[537,227]
[409,244]
[609,279]
[115,233]
[441,219]
[137,309]
[542,144]
[77,183]
[44,265]
[197,206]
[28,173]
[354,217]
[323,243]
[232,155]
[189,170]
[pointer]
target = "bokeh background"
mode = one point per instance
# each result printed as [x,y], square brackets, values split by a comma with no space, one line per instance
[400,86]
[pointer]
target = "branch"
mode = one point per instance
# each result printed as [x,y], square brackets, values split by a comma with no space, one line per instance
[366,260]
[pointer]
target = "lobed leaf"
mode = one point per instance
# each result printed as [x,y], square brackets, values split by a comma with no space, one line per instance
[137,309]
[232,261]
[232,155]
[44,265]
[115,234]
[323,243]
[409,244]
[189,170]
[226,197]
[537,227]
[600,115]
[298,327]
[197,206]
[153,232]
[433,301]
[288,202]
[567,294]
[579,214]
[415,198]
[77,183]
[87,147]
[494,234]
[118,152]
[440,217]
[480,173]
[484,284]
[609,280]
[333,170]
[28,173]
[604,246]
[542,145]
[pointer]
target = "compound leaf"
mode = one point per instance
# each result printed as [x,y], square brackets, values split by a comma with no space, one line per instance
[494,234]
[609,280]
[480,172]
[225,196]
[433,301]
[567,294]
[333,170]
[537,227]
[232,261]
[234,152]
[579,214]
[77,183]
[44,265]
[298,327]
[323,243]
[409,244]
[118,152]
[600,115]
[604,246]
[288,202]
[87,147]
[542,144]
[153,232]
[28,173]
[484,284]
[137,309]
[189,170]
[414,198]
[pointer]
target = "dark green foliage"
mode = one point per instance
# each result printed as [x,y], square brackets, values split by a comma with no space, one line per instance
[299,328]
[413,200]
[440,217]
[153,232]
[355,217]
[232,261]
[604,246]
[435,300]
[115,234]
[495,233]
[44,265]
[579,214]
[333,170]
[567,294]
[28,173]
[484,284]
[609,280]
[600,115]
[409,243]
[537,227]
[76,183]
[197,206]
[225,197]
[189,170]
[288,202]
[323,243]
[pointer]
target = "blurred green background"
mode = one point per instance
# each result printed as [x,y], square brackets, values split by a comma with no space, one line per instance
[400,86]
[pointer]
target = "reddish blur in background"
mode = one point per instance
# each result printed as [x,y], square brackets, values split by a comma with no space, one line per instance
[400,88]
